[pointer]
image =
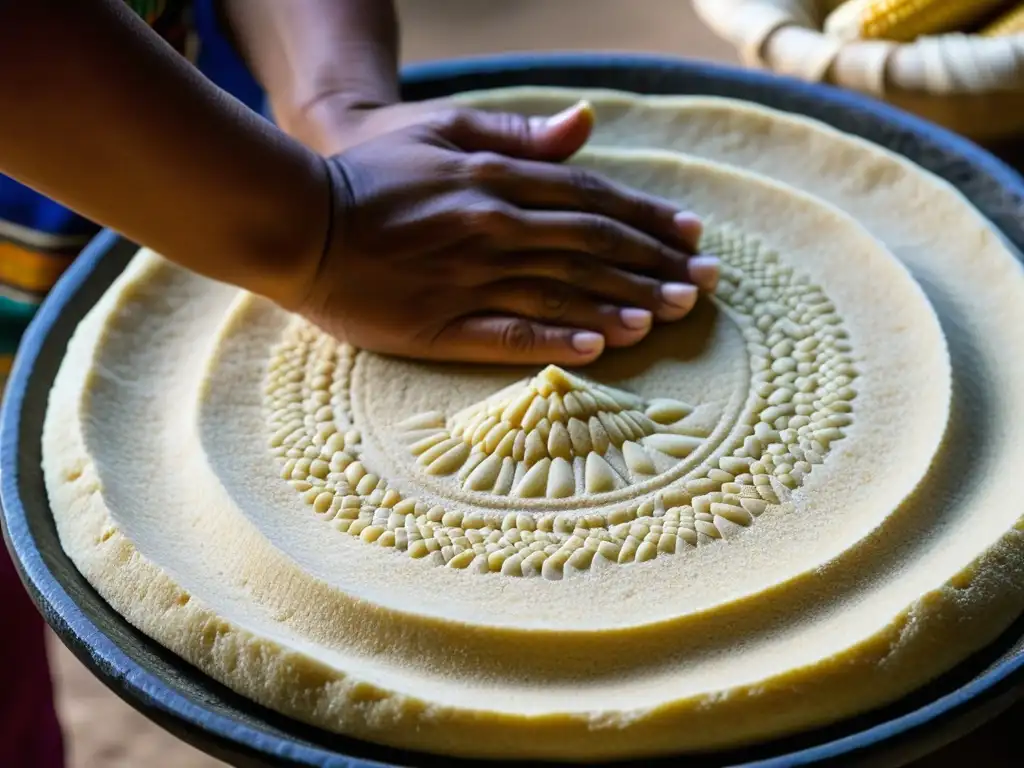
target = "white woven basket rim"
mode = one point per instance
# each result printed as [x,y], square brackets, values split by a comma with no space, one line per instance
[785,36]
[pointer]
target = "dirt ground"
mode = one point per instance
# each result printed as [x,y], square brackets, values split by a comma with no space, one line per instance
[105,733]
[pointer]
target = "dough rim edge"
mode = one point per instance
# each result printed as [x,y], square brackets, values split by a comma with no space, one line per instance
[947,623]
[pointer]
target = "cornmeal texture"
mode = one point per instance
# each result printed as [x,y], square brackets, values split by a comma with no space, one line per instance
[557,435]
[793,506]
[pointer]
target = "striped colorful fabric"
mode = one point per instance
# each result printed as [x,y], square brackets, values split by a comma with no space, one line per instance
[149,10]
[172,19]
[39,238]
[31,260]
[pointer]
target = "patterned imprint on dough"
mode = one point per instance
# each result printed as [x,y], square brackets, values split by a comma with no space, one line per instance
[558,435]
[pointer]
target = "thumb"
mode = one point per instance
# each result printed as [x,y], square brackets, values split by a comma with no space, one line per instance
[554,138]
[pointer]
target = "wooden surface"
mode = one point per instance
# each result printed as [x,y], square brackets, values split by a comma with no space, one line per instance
[105,733]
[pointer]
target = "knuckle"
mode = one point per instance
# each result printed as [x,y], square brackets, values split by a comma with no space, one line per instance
[555,300]
[591,189]
[518,336]
[485,167]
[452,119]
[451,168]
[512,125]
[487,218]
[603,235]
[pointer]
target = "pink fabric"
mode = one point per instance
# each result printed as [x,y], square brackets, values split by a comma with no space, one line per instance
[30,735]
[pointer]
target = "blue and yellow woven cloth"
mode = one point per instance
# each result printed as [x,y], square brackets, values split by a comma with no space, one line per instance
[39,238]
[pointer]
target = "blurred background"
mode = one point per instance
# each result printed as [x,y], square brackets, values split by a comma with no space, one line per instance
[103,732]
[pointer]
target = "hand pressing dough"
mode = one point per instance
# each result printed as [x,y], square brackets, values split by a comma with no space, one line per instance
[784,510]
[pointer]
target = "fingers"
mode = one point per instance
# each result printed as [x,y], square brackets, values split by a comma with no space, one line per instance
[513,235]
[574,210]
[704,272]
[503,229]
[611,241]
[567,188]
[558,304]
[667,301]
[551,139]
[515,341]
[570,208]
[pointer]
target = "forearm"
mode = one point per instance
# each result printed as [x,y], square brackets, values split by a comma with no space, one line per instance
[101,115]
[317,55]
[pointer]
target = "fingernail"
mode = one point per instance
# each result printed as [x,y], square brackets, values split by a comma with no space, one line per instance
[679,295]
[704,271]
[635,319]
[587,342]
[566,115]
[690,227]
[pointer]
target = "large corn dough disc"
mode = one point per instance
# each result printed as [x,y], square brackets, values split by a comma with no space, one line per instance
[784,510]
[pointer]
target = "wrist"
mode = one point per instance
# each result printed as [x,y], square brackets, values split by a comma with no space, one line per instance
[324,122]
[280,254]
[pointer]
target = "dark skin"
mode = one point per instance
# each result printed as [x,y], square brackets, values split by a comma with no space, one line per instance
[416,230]
[500,249]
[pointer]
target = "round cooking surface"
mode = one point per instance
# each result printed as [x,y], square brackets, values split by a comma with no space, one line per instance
[227,725]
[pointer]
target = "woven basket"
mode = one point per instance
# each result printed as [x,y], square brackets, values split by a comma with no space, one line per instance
[972,85]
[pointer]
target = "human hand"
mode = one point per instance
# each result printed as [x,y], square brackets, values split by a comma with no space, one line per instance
[453,239]
[340,121]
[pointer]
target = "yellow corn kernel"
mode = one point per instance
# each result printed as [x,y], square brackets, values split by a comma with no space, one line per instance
[904,20]
[1010,23]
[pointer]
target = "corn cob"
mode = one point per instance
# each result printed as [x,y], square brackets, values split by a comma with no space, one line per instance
[904,20]
[1010,23]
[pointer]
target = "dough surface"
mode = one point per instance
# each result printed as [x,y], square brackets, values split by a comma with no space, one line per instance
[791,507]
